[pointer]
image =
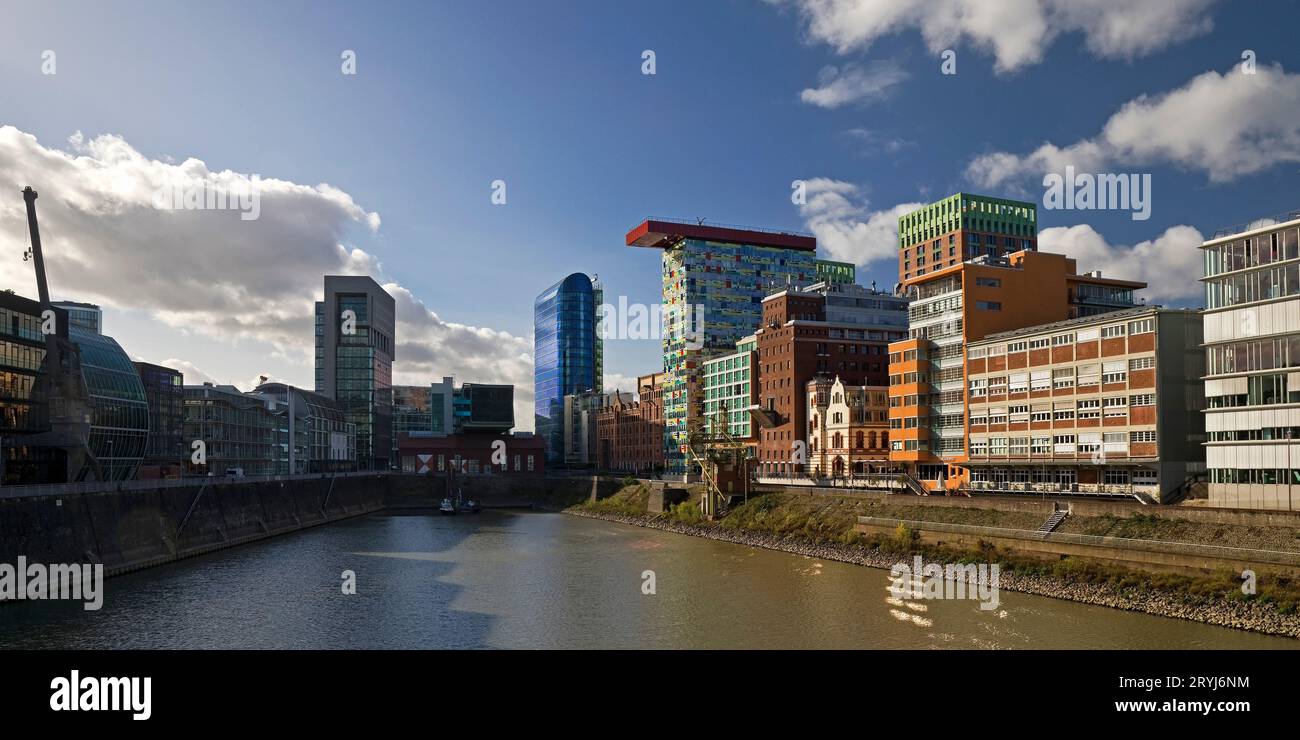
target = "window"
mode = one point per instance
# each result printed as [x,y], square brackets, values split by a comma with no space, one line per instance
[1142,363]
[1087,335]
[1063,377]
[530,463]
[1141,327]
[1089,374]
[1116,477]
[988,305]
[1019,383]
[1114,372]
[1017,346]
[1041,445]
[988,282]
[1041,413]
[975,353]
[1019,414]
[1064,412]
[1142,399]
[979,446]
[978,386]
[1060,339]
[997,445]
[1040,380]
[1090,409]
[1115,407]
[1039,343]
[1020,446]
[1143,436]
[1110,332]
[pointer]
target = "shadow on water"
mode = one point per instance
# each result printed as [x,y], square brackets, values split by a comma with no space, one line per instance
[281,593]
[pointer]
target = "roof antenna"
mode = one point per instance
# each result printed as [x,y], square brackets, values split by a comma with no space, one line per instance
[699,221]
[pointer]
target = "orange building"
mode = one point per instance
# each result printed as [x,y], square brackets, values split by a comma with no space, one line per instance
[962,303]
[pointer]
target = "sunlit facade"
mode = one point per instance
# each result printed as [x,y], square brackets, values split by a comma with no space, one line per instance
[567,353]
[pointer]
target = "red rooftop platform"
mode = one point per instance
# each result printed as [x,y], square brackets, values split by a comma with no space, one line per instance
[664,233]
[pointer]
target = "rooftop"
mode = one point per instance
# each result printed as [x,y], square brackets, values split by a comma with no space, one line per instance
[664,233]
[1259,223]
[1101,318]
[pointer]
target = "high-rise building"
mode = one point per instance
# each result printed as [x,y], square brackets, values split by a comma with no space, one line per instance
[1110,404]
[963,303]
[824,330]
[836,272]
[355,344]
[714,282]
[166,449]
[962,227]
[567,353]
[1252,346]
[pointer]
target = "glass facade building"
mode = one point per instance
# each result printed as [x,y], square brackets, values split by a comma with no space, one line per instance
[567,353]
[355,340]
[22,411]
[119,425]
[1252,354]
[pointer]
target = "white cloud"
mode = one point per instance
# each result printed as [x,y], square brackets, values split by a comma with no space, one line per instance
[853,84]
[620,382]
[192,375]
[1170,264]
[1225,125]
[846,228]
[1016,32]
[210,273]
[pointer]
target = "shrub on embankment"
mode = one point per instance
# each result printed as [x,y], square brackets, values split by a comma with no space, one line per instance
[831,519]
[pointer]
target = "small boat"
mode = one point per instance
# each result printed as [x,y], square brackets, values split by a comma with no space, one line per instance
[471,506]
[446,508]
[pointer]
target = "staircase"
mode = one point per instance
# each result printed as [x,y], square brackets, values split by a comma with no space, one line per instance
[1053,521]
[913,485]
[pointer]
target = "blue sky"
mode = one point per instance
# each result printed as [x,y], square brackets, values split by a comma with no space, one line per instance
[550,98]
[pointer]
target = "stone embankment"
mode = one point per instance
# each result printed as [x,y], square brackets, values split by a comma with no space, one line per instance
[1243,615]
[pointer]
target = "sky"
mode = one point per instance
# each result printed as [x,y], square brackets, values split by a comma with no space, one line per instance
[391,171]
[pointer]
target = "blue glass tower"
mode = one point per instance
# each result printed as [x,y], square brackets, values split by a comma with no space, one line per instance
[566,353]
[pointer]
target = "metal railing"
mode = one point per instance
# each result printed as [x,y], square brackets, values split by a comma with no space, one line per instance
[889,481]
[1259,223]
[1087,489]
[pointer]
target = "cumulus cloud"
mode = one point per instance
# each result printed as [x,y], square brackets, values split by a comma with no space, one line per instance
[620,382]
[1170,264]
[191,373]
[847,229]
[853,84]
[108,238]
[1016,32]
[1225,125]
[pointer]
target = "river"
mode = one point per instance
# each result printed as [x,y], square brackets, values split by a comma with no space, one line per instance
[541,580]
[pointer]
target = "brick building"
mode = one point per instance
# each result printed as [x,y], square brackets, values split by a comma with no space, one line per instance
[630,434]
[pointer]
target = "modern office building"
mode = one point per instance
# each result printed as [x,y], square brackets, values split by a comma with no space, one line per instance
[423,410]
[848,428]
[962,227]
[88,316]
[799,342]
[311,432]
[1099,405]
[24,411]
[355,345]
[953,306]
[630,434]
[237,430]
[714,281]
[119,424]
[1252,379]
[731,392]
[166,449]
[567,355]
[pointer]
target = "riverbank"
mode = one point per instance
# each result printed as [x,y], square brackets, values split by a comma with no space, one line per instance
[1210,600]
